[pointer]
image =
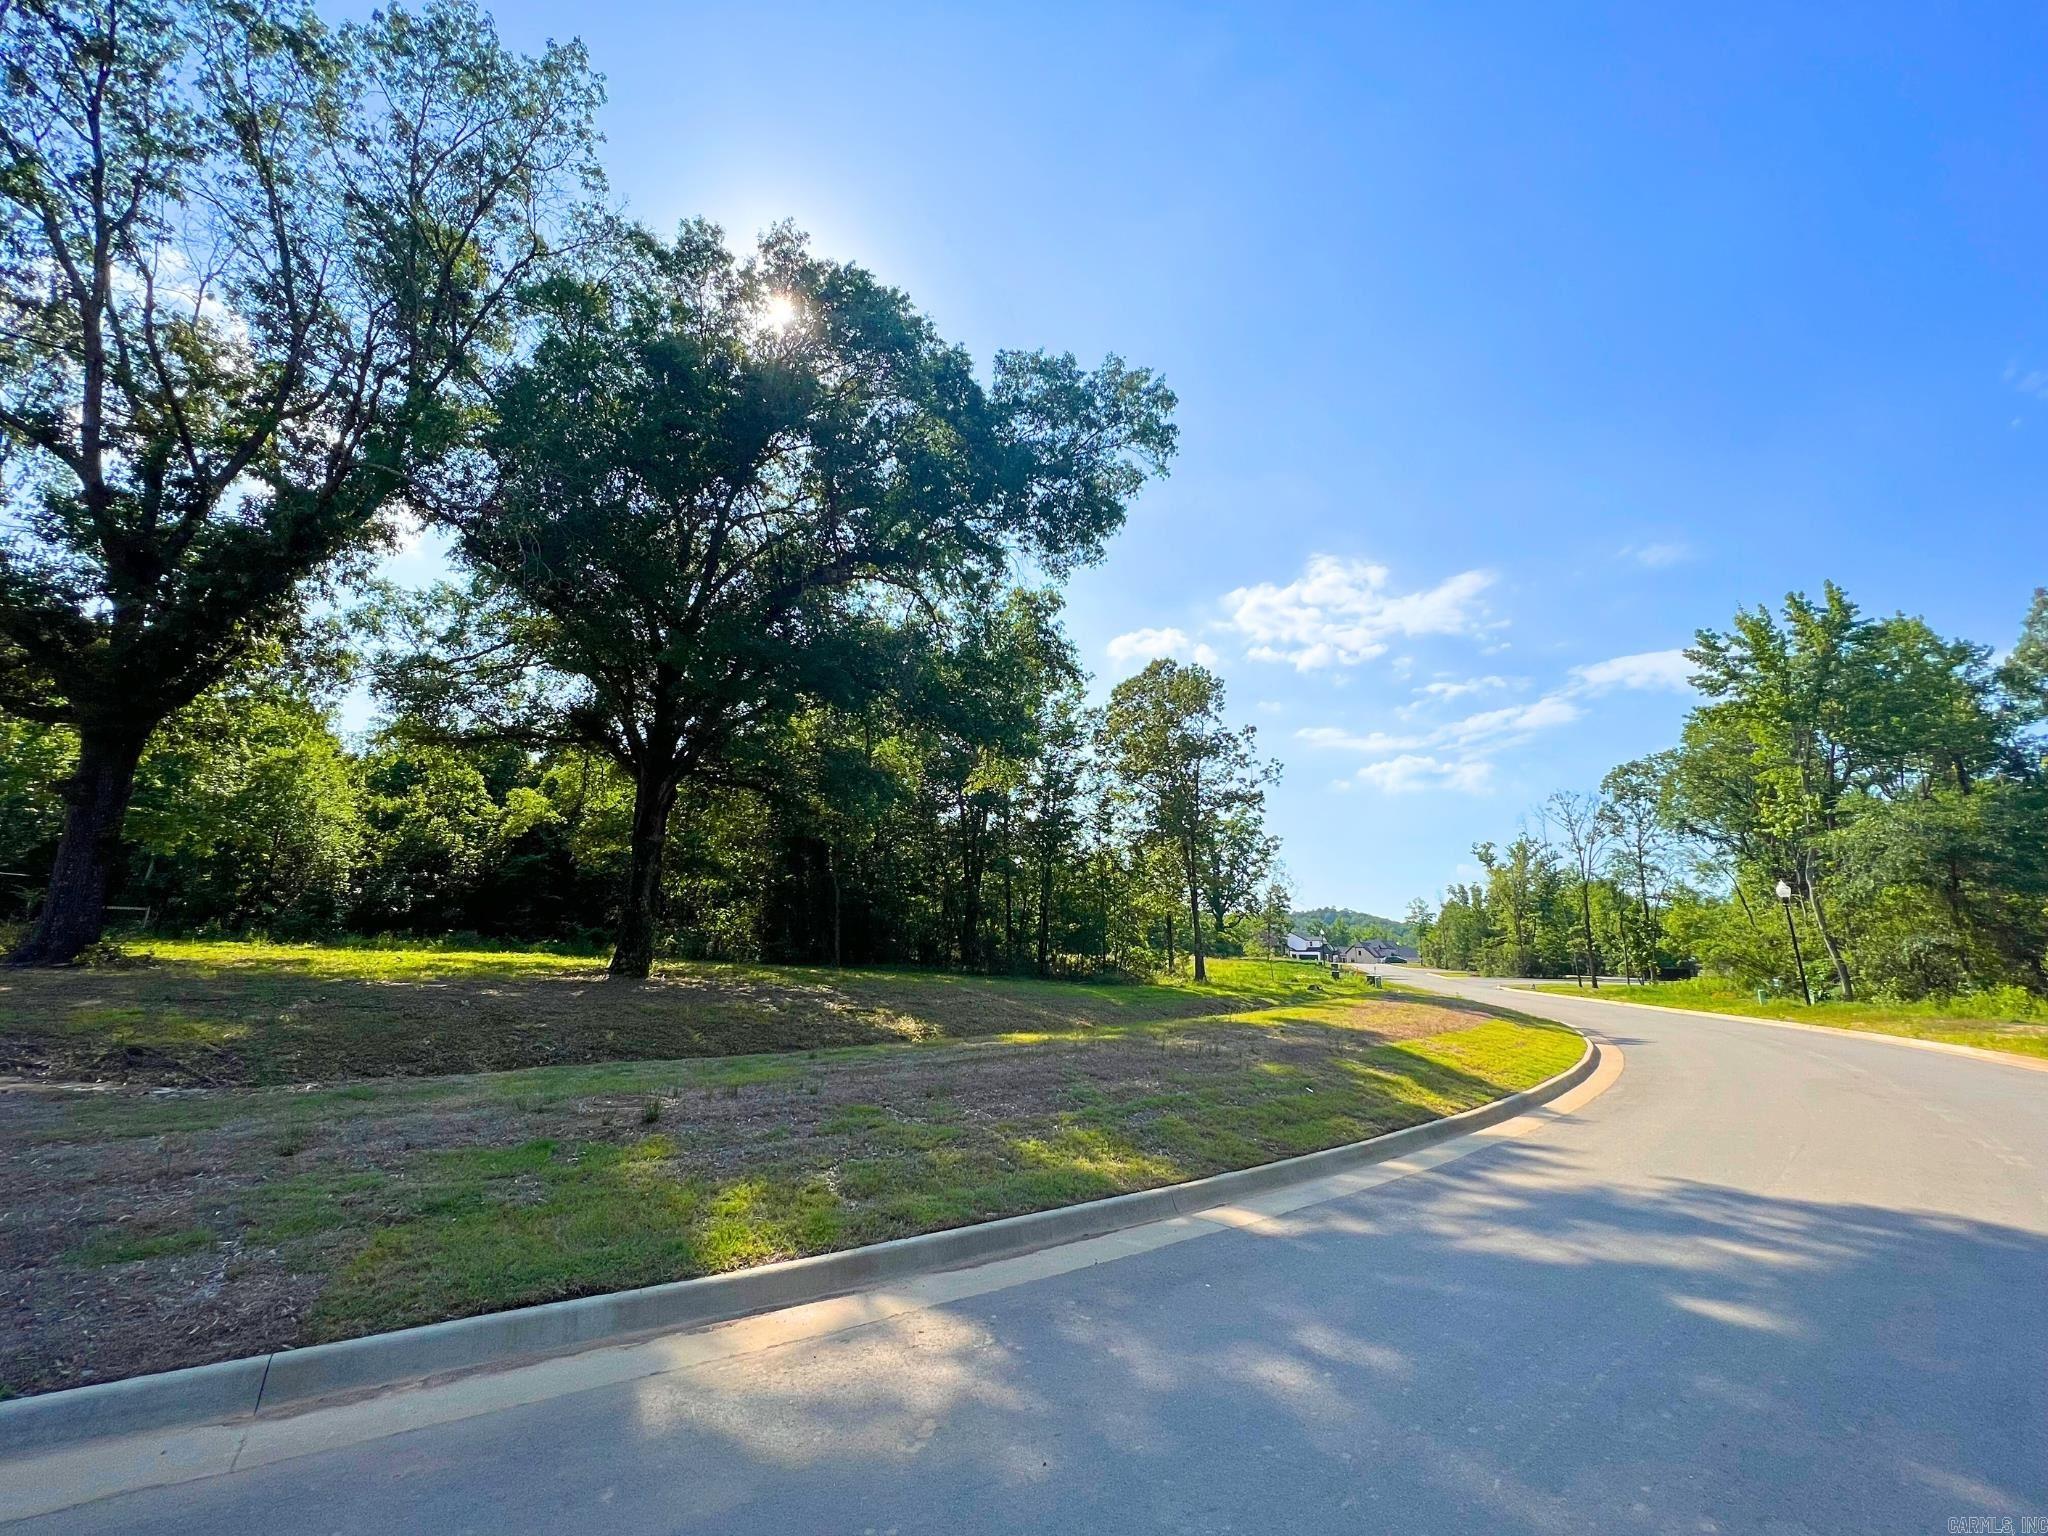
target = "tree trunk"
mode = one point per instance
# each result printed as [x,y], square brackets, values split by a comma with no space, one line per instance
[96,795]
[1169,943]
[1747,911]
[1102,905]
[832,874]
[1045,913]
[973,865]
[1009,899]
[1195,923]
[1827,937]
[1649,917]
[1586,917]
[633,953]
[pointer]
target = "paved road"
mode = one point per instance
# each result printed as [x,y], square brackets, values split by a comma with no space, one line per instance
[1772,1281]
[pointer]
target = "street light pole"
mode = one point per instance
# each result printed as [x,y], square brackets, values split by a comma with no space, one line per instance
[1785,901]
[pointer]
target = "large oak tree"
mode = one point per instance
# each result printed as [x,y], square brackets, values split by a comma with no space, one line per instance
[247,266]
[710,483]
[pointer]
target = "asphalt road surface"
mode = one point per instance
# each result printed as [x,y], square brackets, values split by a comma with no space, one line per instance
[1771,1281]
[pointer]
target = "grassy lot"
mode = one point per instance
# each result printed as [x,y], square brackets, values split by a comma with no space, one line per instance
[242,1014]
[2002,1021]
[155,1227]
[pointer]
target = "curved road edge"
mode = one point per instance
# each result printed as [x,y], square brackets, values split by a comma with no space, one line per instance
[69,1448]
[1516,986]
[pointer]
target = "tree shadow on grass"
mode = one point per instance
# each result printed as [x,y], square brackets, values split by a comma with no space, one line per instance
[181,1025]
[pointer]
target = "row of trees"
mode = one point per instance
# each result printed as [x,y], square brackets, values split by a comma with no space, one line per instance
[1561,899]
[1865,789]
[989,819]
[757,627]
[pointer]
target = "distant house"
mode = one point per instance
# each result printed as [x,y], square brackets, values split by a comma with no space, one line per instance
[1299,948]
[1378,952]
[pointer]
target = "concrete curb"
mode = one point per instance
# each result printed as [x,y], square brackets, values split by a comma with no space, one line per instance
[290,1379]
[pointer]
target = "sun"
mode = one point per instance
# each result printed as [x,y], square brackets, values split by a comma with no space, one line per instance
[779,312]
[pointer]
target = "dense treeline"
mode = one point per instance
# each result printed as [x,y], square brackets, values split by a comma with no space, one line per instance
[1861,798]
[754,646]
[1002,842]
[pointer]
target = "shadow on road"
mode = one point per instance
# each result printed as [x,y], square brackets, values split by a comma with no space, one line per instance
[1512,1348]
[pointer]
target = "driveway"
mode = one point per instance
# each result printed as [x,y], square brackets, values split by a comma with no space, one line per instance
[1770,1281]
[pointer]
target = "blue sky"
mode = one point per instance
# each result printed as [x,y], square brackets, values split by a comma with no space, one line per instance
[1513,343]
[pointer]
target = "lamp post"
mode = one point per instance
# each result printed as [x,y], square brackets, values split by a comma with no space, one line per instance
[1785,901]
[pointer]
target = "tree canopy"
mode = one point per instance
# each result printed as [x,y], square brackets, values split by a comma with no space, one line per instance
[1194,789]
[755,647]
[716,492]
[1888,779]
[249,265]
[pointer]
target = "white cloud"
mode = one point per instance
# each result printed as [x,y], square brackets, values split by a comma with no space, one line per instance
[1131,651]
[180,290]
[1644,671]
[1553,709]
[1458,688]
[1489,729]
[1412,772]
[1456,756]
[1371,742]
[1339,613]
[1459,755]
[1660,555]
[418,552]
[407,530]
[2028,381]
[1445,689]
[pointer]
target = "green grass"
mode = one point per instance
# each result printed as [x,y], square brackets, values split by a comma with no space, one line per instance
[613,1135]
[363,960]
[485,1230]
[220,1014]
[2008,1020]
[119,1247]
[366,960]
[479,1229]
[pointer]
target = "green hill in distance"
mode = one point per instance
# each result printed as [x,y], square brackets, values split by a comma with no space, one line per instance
[1341,925]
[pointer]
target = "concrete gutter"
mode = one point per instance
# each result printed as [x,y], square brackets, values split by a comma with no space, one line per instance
[290,1380]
